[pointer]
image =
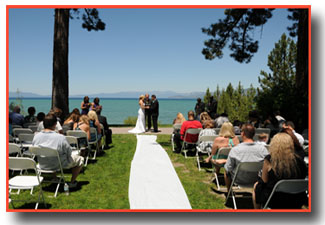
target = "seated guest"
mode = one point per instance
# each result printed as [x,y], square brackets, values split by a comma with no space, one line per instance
[70,121]
[85,106]
[221,119]
[58,127]
[16,117]
[204,118]
[76,111]
[253,118]
[58,112]
[179,119]
[95,105]
[83,125]
[107,131]
[30,118]
[190,123]
[298,148]
[237,126]
[93,122]
[226,138]
[207,131]
[247,151]
[290,125]
[39,118]
[50,139]
[273,124]
[281,163]
[263,138]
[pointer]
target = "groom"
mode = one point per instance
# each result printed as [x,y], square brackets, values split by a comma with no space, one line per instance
[154,108]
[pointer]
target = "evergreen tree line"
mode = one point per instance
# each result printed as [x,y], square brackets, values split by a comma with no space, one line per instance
[277,91]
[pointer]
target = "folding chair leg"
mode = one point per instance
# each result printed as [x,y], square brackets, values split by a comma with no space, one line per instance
[57,188]
[95,151]
[172,141]
[217,180]
[198,162]
[234,201]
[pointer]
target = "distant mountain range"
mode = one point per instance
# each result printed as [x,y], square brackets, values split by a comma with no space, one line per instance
[123,94]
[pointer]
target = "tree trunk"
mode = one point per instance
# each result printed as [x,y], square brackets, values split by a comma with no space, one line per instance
[302,69]
[60,81]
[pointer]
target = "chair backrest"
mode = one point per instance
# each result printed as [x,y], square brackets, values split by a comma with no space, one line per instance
[16,126]
[40,151]
[207,138]
[177,126]
[290,186]
[217,130]
[93,132]
[25,138]
[224,151]
[192,131]
[21,163]
[14,148]
[77,133]
[43,151]
[33,128]
[26,125]
[245,168]
[18,131]
[73,141]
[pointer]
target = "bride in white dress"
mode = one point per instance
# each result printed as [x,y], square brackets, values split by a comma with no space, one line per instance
[140,127]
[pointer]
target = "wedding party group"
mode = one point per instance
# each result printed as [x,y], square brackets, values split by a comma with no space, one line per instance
[148,111]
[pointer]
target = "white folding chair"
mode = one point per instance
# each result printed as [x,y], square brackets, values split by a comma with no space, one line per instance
[176,128]
[217,130]
[42,152]
[73,142]
[17,131]
[25,140]
[290,186]
[14,149]
[207,138]
[82,137]
[33,128]
[93,131]
[25,181]
[103,139]
[253,169]
[221,154]
[190,131]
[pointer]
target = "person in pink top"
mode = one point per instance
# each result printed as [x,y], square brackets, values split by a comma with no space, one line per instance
[190,123]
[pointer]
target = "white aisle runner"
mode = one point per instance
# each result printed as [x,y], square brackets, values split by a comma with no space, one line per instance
[154,183]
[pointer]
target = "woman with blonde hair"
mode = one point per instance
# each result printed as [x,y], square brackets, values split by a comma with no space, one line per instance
[140,126]
[83,125]
[226,138]
[93,122]
[281,163]
[179,119]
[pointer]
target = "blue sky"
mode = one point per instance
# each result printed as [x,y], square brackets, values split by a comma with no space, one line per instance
[140,50]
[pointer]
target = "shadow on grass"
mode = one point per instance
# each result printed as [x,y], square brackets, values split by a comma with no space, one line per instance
[52,187]
[31,205]
[243,198]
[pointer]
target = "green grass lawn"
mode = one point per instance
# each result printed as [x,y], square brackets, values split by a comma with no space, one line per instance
[104,183]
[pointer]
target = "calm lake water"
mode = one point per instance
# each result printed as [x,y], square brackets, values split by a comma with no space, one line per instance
[117,110]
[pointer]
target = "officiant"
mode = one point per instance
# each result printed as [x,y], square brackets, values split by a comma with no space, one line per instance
[154,112]
[147,103]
